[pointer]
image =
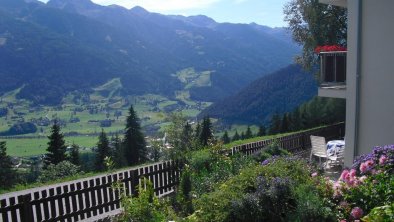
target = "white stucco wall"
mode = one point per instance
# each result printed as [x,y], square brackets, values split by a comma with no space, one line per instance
[376,122]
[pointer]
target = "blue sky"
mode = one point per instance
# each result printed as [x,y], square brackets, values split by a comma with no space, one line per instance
[263,12]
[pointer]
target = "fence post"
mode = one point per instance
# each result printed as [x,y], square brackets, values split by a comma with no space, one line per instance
[27,210]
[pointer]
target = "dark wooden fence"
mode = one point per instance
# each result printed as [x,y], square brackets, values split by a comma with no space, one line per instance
[294,143]
[86,198]
[93,197]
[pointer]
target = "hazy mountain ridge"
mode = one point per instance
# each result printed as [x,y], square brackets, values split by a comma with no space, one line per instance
[281,91]
[65,41]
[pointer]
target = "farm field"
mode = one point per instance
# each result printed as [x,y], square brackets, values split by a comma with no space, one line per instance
[82,116]
[26,147]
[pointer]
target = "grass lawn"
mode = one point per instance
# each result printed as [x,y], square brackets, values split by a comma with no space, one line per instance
[36,146]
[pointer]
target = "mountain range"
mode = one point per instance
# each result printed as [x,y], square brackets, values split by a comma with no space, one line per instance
[279,92]
[49,50]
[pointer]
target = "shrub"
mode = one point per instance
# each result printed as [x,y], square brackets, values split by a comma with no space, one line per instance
[144,208]
[310,205]
[271,150]
[209,168]
[58,171]
[383,214]
[244,193]
[271,201]
[184,196]
[367,185]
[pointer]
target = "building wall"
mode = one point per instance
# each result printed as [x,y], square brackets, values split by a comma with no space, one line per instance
[376,122]
[371,62]
[351,81]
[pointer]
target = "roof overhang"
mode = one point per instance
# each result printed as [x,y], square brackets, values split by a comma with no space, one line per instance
[340,3]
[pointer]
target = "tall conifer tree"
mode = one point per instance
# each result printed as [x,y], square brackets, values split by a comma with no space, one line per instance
[262,131]
[118,152]
[225,138]
[206,131]
[275,124]
[56,146]
[7,174]
[236,136]
[248,133]
[103,151]
[74,155]
[134,142]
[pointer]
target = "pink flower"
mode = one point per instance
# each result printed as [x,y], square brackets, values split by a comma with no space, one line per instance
[337,189]
[352,173]
[343,220]
[344,175]
[357,213]
[363,167]
[351,182]
[369,163]
[362,179]
[382,159]
[314,174]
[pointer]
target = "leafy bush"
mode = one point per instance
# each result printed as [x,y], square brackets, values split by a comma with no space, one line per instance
[184,196]
[271,150]
[383,213]
[270,202]
[310,206]
[367,185]
[210,168]
[144,208]
[58,171]
[244,193]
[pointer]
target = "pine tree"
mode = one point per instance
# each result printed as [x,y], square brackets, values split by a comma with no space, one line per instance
[7,174]
[236,136]
[206,131]
[248,133]
[56,147]
[225,138]
[197,132]
[186,136]
[275,124]
[180,136]
[284,126]
[74,155]
[242,135]
[118,152]
[262,131]
[296,120]
[103,151]
[134,141]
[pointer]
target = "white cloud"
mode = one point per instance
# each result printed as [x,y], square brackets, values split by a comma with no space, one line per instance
[161,5]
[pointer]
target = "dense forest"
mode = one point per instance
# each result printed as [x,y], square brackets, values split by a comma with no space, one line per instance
[279,92]
[47,48]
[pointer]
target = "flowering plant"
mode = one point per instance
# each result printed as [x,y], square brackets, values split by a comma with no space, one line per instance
[366,186]
[329,48]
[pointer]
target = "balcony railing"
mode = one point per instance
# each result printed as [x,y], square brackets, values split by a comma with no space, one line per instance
[333,68]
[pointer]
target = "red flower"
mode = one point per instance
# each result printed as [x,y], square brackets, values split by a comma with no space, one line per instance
[329,48]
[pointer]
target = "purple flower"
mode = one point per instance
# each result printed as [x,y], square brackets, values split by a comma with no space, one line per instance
[357,213]
[265,162]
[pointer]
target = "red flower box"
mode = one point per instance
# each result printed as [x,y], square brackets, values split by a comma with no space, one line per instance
[329,48]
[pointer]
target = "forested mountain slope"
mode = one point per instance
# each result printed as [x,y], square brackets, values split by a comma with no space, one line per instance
[46,49]
[279,92]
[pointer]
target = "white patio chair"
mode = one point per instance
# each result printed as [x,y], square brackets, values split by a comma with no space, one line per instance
[338,158]
[319,149]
